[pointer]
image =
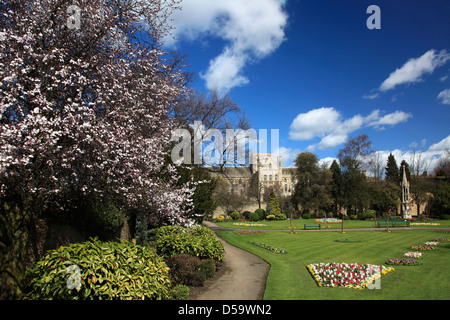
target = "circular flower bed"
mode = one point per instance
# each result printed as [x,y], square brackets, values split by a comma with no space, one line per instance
[349,275]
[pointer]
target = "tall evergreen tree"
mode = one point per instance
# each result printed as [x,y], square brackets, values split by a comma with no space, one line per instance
[392,174]
[336,187]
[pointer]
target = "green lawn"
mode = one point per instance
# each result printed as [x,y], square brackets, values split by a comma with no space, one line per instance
[289,280]
[298,223]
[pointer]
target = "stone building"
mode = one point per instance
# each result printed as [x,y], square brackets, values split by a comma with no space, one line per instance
[264,173]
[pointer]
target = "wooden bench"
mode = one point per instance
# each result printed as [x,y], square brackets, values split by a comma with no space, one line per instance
[311,225]
[394,223]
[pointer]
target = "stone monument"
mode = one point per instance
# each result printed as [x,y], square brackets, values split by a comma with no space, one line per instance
[406,204]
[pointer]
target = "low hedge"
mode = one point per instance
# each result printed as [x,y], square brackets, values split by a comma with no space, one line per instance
[200,242]
[96,270]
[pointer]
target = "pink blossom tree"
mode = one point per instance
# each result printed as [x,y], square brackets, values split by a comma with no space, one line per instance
[85,96]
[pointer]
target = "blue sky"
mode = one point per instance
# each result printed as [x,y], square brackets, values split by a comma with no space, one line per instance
[313,70]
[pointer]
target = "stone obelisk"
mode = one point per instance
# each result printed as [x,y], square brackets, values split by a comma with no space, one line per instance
[406,204]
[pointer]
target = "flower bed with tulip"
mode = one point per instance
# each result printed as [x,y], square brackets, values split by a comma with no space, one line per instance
[328,220]
[267,247]
[250,224]
[349,275]
[402,262]
[413,254]
[249,233]
[423,247]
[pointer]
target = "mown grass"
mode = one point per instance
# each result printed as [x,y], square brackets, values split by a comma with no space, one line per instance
[299,223]
[289,280]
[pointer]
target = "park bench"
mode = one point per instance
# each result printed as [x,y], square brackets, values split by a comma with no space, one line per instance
[394,223]
[311,225]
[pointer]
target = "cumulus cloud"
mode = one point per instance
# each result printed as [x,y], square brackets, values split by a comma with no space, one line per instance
[428,159]
[444,96]
[413,70]
[251,29]
[329,125]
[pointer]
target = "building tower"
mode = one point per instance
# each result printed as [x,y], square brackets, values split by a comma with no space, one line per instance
[406,204]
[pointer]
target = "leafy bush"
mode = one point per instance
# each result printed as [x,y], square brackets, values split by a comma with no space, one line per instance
[261,213]
[253,216]
[180,292]
[100,218]
[96,270]
[366,214]
[235,215]
[200,242]
[185,270]
[280,216]
[208,268]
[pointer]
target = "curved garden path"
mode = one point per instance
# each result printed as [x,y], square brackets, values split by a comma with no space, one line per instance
[243,276]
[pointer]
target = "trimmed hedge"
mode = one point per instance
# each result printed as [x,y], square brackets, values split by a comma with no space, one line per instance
[200,242]
[96,270]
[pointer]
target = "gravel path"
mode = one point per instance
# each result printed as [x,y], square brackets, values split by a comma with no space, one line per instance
[243,276]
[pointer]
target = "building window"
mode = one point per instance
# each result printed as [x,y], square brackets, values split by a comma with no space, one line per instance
[285,188]
[265,177]
[270,178]
[276,177]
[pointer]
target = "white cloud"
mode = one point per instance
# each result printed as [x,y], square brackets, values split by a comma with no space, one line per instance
[327,124]
[327,161]
[314,123]
[371,96]
[428,159]
[252,30]
[391,119]
[413,70]
[444,96]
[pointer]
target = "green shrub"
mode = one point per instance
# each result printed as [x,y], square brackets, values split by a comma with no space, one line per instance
[245,214]
[261,213]
[235,215]
[180,292]
[208,268]
[96,270]
[200,242]
[253,216]
[99,218]
[271,217]
[306,216]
